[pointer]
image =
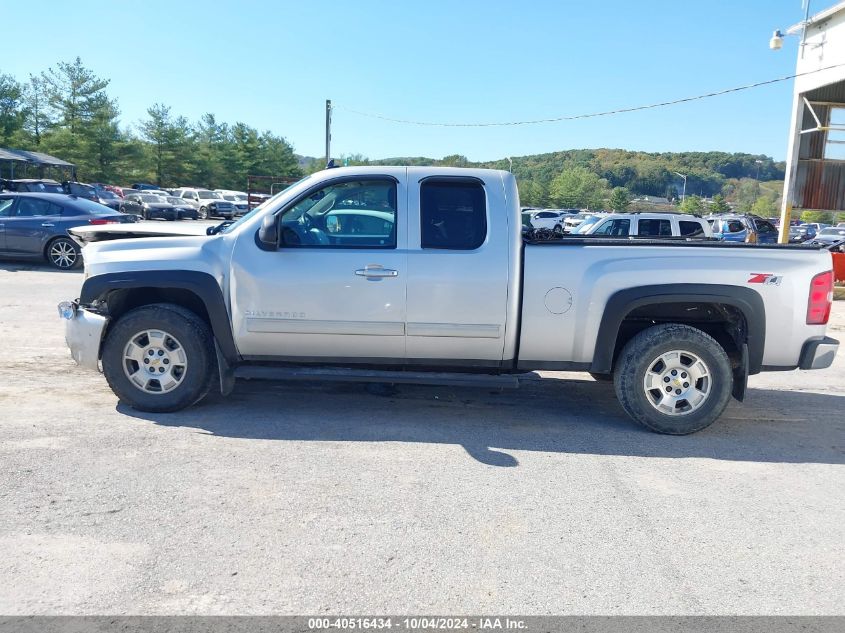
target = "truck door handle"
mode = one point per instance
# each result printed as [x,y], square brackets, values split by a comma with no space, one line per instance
[48,224]
[375,270]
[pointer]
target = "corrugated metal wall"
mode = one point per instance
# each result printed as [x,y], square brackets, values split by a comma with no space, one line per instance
[819,183]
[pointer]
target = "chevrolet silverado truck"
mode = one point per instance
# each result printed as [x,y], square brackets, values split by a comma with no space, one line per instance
[423,275]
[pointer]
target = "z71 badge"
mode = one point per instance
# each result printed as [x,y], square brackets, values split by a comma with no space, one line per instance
[767,279]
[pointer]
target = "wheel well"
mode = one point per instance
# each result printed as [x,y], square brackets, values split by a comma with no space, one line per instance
[122,300]
[725,323]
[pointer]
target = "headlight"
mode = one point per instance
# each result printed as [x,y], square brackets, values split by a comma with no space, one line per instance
[67,310]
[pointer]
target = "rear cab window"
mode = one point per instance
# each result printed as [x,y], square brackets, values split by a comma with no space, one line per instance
[690,228]
[654,227]
[453,214]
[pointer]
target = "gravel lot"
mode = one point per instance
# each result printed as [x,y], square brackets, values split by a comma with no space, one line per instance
[323,498]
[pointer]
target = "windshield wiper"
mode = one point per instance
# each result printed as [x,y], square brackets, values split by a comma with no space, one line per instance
[214,230]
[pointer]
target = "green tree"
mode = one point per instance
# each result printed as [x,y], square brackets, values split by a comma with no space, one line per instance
[105,144]
[746,194]
[277,157]
[619,199]
[764,207]
[158,131]
[37,120]
[11,109]
[454,160]
[719,204]
[578,187]
[824,217]
[532,193]
[210,142]
[691,204]
[75,93]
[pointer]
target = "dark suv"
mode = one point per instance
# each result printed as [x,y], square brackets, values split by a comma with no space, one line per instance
[33,185]
[743,228]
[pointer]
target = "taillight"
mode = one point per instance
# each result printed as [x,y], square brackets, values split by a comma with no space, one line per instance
[821,298]
[102,221]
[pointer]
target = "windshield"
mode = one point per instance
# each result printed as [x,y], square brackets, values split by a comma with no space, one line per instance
[107,195]
[173,200]
[209,195]
[832,232]
[151,198]
[269,201]
[586,224]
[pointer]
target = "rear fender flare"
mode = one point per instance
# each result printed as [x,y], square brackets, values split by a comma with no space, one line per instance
[621,303]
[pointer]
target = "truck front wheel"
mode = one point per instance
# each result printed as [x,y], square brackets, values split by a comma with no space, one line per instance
[159,358]
[673,379]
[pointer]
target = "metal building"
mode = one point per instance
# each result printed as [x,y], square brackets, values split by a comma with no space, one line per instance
[815,160]
[18,163]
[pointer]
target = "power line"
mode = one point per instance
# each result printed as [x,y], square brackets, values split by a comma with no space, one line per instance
[592,114]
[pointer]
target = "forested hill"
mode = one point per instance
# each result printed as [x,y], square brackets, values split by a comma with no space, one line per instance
[641,173]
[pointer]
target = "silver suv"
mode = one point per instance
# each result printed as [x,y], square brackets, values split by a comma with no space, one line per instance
[209,204]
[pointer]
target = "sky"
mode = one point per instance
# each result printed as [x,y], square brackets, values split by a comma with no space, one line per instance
[272,64]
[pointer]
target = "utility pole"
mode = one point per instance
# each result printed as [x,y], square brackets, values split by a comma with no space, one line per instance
[684,194]
[328,130]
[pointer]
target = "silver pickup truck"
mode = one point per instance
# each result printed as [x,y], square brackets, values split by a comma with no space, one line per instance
[395,274]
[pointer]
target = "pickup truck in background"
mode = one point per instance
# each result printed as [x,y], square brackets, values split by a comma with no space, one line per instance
[418,274]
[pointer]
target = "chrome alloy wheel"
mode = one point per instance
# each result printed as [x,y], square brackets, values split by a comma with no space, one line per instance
[62,254]
[677,382]
[155,361]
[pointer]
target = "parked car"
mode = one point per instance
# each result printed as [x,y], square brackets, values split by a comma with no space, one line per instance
[829,235]
[573,222]
[743,228]
[817,226]
[184,209]
[551,219]
[34,226]
[801,233]
[81,190]
[286,291]
[144,186]
[148,207]
[128,191]
[109,199]
[208,203]
[650,225]
[99,186]
[34,185]
[238,199]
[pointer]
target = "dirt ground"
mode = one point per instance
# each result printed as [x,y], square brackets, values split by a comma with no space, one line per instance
[324,498]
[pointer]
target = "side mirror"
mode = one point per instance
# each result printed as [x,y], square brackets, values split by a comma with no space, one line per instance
[268,234]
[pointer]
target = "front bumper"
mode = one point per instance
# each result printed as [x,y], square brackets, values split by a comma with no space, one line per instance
[818,354]
[83,334]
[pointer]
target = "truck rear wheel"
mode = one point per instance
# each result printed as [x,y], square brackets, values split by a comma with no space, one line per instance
[159,358]
[673,379]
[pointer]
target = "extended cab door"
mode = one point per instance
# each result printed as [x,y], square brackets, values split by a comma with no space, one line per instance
[459,269]
[335,287]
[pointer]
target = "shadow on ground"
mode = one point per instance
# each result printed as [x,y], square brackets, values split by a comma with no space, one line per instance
[550,415]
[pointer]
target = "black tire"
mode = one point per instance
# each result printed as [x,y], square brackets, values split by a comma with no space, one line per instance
[638,358]
[558,230]
[202,214]
[63,253]
[193,336]
[602,377]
